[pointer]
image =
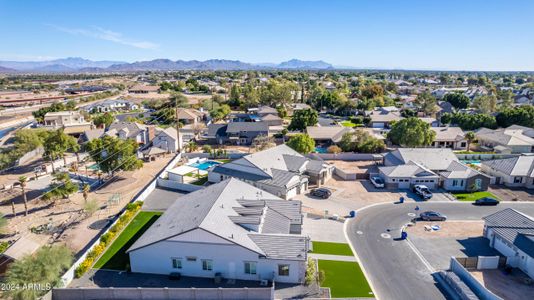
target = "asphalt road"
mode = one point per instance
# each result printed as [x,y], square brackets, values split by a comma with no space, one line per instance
[393,268]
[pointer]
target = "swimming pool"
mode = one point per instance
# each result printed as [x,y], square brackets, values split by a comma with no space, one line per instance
[471,161]
[319,149]
[205,164]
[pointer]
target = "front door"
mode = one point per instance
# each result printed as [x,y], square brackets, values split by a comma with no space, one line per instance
[231,270]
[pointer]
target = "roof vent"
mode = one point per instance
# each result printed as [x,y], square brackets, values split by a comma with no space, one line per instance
[232,236]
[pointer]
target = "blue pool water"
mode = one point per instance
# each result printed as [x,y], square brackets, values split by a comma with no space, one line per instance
[320,149]
[471,161]
[205,164]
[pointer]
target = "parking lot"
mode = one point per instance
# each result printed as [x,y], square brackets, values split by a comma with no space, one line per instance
[454,238]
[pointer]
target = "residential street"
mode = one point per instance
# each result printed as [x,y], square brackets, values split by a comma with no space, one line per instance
[392,267]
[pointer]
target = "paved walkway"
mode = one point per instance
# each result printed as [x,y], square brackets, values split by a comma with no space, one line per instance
[332,257]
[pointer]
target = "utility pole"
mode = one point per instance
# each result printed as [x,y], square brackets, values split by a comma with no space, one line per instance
[177,125]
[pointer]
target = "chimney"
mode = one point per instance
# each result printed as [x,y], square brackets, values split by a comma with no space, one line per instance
[151,132]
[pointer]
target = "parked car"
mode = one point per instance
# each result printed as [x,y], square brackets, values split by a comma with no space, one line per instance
[486,201]
[321,193]
[423,191]
[377,182]
[432,216]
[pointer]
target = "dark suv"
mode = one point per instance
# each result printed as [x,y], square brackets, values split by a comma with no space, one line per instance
[321,193]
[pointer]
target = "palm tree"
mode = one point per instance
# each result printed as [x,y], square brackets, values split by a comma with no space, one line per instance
[22,181]
[86,189]
[470,137]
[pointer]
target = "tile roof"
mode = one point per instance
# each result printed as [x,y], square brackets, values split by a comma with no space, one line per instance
[408,170]
[432,158]
[511,136]
[237,127]
[513,226]
[459,170]
[448,133]
[218,209]
[514,166]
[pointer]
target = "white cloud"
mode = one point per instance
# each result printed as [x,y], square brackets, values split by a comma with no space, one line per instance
[107,35]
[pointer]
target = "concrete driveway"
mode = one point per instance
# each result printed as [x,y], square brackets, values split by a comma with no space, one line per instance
[352,195]
[320,229]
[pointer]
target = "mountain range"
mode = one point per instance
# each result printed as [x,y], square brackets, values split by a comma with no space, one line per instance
[77,64]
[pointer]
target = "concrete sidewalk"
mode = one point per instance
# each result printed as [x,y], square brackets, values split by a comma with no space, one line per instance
[332,257]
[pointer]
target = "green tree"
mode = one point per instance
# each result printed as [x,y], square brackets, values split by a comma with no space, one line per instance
[458,100]
[71,105]
[506,98]
[427,103]
[411,132]
[57,143]
[251,96]
[372,91]
[302,143]
[470,137]
[60,188]
[220,112]
[44,267]
[361,141]
[113,154]
[473,121]
[90,207]
[178,100]
[485,104]
[303,118]
[104,120]
[522,115]
[235,93]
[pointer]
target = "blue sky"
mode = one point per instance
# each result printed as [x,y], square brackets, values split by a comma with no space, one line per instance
[458,35]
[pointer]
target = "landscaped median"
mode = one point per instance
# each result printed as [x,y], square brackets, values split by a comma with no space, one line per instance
[113,255]
[473,196]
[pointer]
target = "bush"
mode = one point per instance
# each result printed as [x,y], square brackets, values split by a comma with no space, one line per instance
[206,149]
[333,149]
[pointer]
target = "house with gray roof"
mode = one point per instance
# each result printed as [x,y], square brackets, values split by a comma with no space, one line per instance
[512,172]
[513,139]
[237,133]
[230,228]
[382,117]
[280,171]
[512,234]
[167,139]
[141,133]
[433,167]
[111,105]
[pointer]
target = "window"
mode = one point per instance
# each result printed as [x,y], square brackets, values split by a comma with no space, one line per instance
[207,264]
[191,258]
[518,179]
[393,179]
[176,263]
[463,144]
[478,183]
[250,267]
[283,270]
[454,182]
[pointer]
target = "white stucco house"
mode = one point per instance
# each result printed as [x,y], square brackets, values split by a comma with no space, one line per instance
[280,171]
[231,229]
[167,139]
[449,137]
[512,234]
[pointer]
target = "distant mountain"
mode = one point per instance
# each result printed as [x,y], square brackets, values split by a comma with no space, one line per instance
[77,64]
[7,70]
[60,65]
[167,65]
[303,64]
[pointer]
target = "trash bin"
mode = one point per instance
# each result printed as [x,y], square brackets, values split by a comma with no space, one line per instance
[404,235]
[352,214]
[401,199]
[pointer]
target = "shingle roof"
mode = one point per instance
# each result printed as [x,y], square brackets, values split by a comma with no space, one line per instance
[432,158]
[216,130]
[513,226]
[408,170]
[511,136]
[514,166]
[458,170]
[216,208]
[333,133]
[448,133]
[270,117]
[237,127]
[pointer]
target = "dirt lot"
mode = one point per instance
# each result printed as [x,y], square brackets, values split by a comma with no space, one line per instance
[74,228]
[448,229]
[512,194]
[506,286]
[354,166]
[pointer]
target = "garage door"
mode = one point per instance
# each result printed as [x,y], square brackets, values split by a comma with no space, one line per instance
[405,184]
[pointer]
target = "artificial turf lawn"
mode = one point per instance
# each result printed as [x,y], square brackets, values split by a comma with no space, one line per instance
[115,257]
[345,279]
[473,196]
[332,248]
